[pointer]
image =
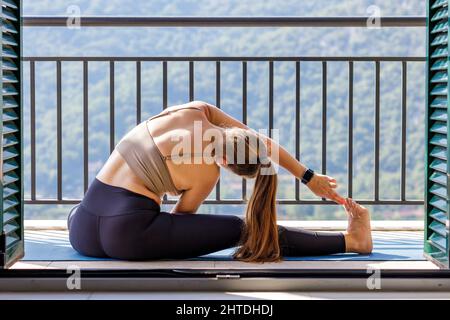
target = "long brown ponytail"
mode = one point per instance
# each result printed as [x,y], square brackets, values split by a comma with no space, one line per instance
[259,242]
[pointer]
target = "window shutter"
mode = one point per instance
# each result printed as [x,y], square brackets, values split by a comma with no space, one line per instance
[437,194]
[11,210]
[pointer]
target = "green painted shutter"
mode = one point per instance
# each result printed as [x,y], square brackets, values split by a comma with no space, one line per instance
[437,193]
[11,213]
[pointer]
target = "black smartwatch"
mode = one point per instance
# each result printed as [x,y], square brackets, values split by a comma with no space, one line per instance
[307,176]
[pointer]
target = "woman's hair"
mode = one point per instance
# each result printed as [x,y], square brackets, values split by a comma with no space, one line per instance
[247,156]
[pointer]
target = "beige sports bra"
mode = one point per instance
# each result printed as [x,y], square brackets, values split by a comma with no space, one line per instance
[142,155]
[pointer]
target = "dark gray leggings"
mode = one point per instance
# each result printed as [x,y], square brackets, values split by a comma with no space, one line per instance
[115,222]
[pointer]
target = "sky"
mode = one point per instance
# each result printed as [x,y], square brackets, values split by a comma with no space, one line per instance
[221,7]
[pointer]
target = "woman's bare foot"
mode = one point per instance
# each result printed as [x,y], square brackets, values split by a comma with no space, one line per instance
[358,237]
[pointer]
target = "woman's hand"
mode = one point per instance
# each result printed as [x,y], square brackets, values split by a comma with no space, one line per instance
[323,186]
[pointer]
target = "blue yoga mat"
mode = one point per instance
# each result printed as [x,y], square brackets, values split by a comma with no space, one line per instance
[55,246]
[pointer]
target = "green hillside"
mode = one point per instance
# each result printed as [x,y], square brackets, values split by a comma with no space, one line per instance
[235,42]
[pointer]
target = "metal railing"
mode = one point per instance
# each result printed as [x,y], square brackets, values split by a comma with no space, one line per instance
[242,21]
[316,22]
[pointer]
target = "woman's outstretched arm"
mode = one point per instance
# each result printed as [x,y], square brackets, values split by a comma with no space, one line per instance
[320,185]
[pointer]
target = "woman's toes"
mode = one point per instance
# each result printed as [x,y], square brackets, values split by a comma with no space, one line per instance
[348,209]
[346,205]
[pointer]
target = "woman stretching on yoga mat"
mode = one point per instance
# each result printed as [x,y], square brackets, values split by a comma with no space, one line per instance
[120,215]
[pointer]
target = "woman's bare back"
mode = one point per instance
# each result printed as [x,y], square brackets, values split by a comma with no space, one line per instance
[178,124]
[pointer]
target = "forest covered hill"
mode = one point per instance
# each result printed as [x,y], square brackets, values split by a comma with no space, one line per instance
[322,42]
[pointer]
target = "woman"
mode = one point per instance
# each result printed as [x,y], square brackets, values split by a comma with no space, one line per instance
[120,215]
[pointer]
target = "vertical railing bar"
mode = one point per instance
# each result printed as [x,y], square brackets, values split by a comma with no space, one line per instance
[377,128]
[164,84]
[138,92]
[404,115]
[350,129]
[33,128]
[191,80]
[297,124]
[244,117]
[59,129]
[270,98]
[164,65]
[111,106]
[324,118]
[218,106]
[85,126]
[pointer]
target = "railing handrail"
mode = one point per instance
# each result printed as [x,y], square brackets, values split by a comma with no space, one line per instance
[227,58]
[182,21]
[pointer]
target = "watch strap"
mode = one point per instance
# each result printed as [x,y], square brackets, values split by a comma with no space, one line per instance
[307,176]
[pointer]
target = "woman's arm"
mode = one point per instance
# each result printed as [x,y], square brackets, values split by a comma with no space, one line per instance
[321,185]
[190,200]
